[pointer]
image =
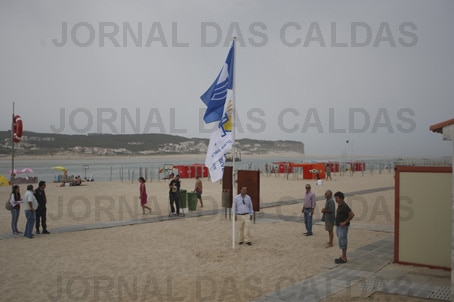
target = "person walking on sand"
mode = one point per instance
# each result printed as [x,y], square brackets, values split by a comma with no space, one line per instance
[328,172]
[343,216]
[329,216]
[15,200]
[143,195]
[308,209]
[198,188]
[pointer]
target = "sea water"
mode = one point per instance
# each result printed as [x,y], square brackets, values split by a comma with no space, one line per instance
[130,168]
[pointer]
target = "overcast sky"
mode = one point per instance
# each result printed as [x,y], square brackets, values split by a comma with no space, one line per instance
[375,73]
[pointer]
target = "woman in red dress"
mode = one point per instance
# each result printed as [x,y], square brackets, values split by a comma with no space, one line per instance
[143,196]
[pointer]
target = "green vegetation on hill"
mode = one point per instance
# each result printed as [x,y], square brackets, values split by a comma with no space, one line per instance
[34,143]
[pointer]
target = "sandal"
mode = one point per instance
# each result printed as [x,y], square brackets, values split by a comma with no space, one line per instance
[340,261]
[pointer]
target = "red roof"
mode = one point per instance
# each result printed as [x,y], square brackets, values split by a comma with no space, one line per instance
[438,127]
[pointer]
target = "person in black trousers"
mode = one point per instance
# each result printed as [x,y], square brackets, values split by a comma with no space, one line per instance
[174,191]
[40,195]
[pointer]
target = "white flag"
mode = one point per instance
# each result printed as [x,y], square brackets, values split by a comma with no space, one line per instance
[221,142]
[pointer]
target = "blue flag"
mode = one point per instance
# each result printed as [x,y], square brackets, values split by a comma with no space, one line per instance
[216,95]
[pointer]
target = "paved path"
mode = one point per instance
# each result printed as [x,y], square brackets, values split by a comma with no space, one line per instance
[363,275]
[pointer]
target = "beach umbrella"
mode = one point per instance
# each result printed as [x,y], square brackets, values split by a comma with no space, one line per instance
[26,170]
[15,171]
[59,168]
[3,181]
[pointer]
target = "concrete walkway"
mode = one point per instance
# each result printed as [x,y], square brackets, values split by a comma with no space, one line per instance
[365,274]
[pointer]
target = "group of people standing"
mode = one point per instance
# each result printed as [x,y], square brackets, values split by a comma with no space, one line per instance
[34,205]
[174,194]
[243,209]
[340,217]
[331,216]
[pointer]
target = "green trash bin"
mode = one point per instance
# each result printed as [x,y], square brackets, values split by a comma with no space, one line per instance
[182,196]
[192,201]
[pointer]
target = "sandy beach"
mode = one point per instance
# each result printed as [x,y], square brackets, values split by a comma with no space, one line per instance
[182,259]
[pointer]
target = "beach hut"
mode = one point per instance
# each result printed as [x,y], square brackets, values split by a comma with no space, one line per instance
[446,128]
[198,169]
[423,198]
[333,166]
[183,171]
[311,170]
[191,171]
[318,169]
[283,167]
[359,166]
[355,166]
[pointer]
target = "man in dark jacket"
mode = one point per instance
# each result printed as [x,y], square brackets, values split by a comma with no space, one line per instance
[174,191]
[40,195]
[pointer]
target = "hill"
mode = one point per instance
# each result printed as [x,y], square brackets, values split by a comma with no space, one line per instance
[34,143]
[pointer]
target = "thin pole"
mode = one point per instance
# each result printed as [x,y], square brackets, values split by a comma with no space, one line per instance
[233,147]
[12,150]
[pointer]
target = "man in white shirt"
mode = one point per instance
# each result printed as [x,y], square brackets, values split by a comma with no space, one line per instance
[30,206]
[243,210]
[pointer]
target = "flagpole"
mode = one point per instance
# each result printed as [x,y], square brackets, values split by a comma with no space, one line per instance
[234,185]
[11,179]
[222,139]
